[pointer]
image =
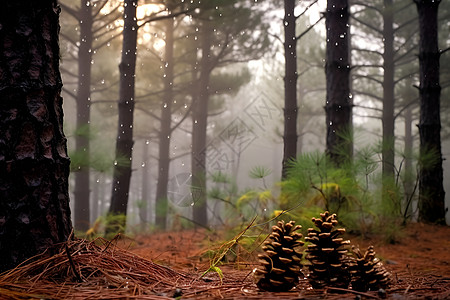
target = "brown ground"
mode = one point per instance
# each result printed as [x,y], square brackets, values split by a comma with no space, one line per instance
[419,262]
[169,265]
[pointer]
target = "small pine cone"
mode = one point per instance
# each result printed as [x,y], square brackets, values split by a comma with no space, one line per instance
[327,253]
[280,264]
[368,273]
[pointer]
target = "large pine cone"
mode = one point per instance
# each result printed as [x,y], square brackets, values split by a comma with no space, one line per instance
[280,265]
[327,253]
[368,273]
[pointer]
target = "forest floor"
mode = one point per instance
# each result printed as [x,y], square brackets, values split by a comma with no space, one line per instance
[170,265]
[419,263]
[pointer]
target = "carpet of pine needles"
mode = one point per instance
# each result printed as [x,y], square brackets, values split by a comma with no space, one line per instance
[171,265]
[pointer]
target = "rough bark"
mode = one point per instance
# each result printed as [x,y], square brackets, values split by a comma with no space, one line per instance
[34,166]
[165,130]
[431,190]
[124,141]
[388,120]
[290,86]
[199,124]
[82,179]
[338,106]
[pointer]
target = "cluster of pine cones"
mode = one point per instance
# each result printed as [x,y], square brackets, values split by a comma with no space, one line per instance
[330,264]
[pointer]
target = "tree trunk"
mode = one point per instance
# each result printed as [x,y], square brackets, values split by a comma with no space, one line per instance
[165,131]
[388,143]
[199,117]
[82,183]
[143,212]
[290,86]
[431,190]
[124,141]
[34,166]
[338,106]
[408,169]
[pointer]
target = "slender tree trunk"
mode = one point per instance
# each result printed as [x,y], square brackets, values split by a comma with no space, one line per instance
[408,169]
[200,116]
[94,202]
[82,180]
[124,141]
[144,189]
[388,143]
[338,106]
[34,166]
[431,189]
[165,131]
[290,86]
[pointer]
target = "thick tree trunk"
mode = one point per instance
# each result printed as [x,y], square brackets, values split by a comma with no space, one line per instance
[165,131]
[199,126]
[431,190]
[338,106]
[124,141]
[388,142]
[290,86]
[34,166]
[82,180]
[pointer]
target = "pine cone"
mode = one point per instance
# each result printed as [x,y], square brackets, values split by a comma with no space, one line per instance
[327,253]
[280,265]
[368,273]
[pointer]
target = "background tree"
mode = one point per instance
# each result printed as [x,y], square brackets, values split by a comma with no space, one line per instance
[166,126]
[225,39]
[34,166]
[93,28]
[431,190]
[390,23]
[291,75]
[290,85]
[124,141]
[339,104]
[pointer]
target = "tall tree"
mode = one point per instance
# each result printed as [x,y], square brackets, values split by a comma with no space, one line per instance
[199,126]
[338,106]
[224,29]
[165,126]
[124,140]
[388,122]
[391,23]
[92,26]
[82,177]
[290,85]
[431,189]
[34,166]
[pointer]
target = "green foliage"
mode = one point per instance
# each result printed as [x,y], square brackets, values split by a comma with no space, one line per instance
[98,158]
[109,226]
[259,172]
[223,250]
[428,158]
[354,190]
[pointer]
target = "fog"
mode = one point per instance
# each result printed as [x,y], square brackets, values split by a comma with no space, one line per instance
[245,108]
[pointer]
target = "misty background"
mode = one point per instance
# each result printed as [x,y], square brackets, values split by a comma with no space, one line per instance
[245,109]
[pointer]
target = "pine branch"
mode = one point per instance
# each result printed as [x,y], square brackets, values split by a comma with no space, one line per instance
[358,92]
[368,51]
[368,6]
[370,26]
[309,28]
[72,12]
[306,9]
